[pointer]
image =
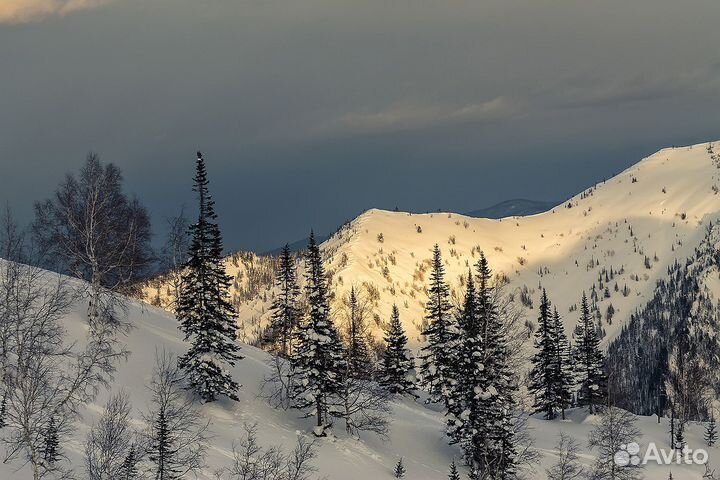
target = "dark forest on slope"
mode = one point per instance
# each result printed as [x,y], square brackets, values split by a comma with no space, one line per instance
[666,359]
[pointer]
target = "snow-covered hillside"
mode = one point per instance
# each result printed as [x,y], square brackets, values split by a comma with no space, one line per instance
[616,238]
[416,432]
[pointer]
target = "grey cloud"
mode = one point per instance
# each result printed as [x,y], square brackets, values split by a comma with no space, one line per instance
[402,117]
[596,91]
[314,97]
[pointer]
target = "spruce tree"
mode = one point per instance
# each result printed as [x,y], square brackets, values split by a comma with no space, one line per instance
[318,359]
[481,400]
[436,359]
[160,447]
[129,470]
[399,471]
[397,365]
[206,316]
[51,443]
[564,377]
[711,434]
[589,361]
[497,403]
[175,441]
[543,376]
[454,474]
[285,309]
[357,356]
[465,424]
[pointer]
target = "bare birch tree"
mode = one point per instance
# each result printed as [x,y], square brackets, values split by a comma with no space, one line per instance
[46,379]
[91,229]
[174,253]
[110,441]
[252,461]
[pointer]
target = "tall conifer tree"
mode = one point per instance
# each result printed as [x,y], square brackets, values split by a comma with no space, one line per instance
[285,309]
[51,443]
[481,403]
[318,359]
[437,356]
[397,365]
[589,361]
[464,416]
[497,398]
[543,376]
[357,352]
[206,316]
[564,378]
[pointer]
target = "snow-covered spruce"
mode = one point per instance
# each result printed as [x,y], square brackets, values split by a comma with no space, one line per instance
[549,378]
[481,396]
[589,361]
[285,309]
[318,360]
[203,309]
[397,368]
[436,360]
[357,354]
[564,375]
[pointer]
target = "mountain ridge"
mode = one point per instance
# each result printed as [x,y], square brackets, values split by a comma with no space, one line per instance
[631,227]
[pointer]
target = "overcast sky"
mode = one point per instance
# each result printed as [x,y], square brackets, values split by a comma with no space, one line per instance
[310,111]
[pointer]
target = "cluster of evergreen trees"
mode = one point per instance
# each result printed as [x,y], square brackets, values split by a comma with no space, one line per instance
[332,375]
[465,366]
[563,374]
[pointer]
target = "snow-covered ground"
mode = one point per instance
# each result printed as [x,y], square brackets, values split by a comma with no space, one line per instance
[416,430]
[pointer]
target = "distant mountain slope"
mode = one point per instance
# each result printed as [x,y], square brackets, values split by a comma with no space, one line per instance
[613,241]
[517,207]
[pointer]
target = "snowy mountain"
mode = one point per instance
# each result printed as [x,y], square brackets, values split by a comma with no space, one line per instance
[614,241]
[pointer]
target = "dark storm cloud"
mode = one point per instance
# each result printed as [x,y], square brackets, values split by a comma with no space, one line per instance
[310,111]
